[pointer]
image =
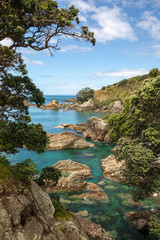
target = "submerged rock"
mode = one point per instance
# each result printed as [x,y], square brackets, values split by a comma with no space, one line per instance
[112,168]
[96,129]
[94,192]
[67,140]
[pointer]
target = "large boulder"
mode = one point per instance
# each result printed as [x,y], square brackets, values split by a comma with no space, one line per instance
[69,166]
[116,107]
[67,140]
[88,104]
[74,182]
[112,169]
[96,129]
[93,231]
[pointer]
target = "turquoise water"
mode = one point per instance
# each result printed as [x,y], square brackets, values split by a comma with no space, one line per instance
[109,213]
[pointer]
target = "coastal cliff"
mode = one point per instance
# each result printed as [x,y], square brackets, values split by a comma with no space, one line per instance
[28,214]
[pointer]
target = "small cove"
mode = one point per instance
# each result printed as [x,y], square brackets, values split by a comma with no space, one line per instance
[109,213]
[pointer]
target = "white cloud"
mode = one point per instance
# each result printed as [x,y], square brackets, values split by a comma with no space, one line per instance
[111,24]
[33,62]
[6,42]
[75,48]
[127,73]
[107,23]
[151,24]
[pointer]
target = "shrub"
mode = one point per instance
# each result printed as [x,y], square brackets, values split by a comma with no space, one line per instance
[85,94]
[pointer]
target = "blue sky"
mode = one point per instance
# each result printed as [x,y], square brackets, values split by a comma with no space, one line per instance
[128,44]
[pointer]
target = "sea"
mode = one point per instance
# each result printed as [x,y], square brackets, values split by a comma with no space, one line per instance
[110,214]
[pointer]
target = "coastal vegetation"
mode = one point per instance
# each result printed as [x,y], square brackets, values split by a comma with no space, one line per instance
[84,95]
[28,24]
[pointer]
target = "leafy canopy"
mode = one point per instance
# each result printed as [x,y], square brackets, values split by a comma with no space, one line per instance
[138,129]
[32,24]
[85,94]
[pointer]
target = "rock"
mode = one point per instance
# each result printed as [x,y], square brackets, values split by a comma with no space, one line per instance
[69,166]
[74,182]
[88,104]
[112,168]
[94,231]
[139,220]
[96,129]
[55,102]
[94,192]
[67,140]
[116,107]
[69,100]
[79,128]
[82,213]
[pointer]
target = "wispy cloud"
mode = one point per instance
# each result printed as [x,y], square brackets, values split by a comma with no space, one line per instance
[33,62]
[75,48]
[111,24]
[108,23]
[127,73]
[151,24]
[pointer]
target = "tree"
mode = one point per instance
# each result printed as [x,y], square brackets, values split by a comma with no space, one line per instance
[140,123]
[154,72]
[85,94]
[31,24]
[49,173]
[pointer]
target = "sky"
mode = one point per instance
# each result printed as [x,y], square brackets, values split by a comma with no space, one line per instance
[127,44]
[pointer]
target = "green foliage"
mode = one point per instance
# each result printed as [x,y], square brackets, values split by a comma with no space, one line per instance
[154,226]
[139,169]
[154,72]
[49,173]
[106,102]
[20,172]
[85,94]
[28,24]
[140,122]
[34,23]
[25,170]
[61,213]
[122,83]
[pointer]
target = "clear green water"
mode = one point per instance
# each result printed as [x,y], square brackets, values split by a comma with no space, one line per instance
[110,213]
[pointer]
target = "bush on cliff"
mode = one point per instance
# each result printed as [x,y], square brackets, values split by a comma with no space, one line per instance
[85,94]
[140,123]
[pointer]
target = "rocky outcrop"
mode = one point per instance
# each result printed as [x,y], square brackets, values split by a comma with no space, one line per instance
[52,105]
[74,182]
[79,128]
[28,214]
[112,169]
[69,166]
[116,107]
[96,129]
[94,231]
[139,220]
[67,140]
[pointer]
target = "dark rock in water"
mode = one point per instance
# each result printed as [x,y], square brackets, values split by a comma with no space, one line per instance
[139,220]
